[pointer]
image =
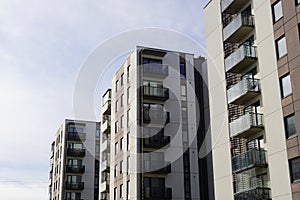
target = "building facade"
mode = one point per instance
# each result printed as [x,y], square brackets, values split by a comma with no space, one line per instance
[154,127]
[74,172]
[253,73]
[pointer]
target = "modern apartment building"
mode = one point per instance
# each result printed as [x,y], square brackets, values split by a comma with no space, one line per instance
[253,54]
[152,129]
[74,173]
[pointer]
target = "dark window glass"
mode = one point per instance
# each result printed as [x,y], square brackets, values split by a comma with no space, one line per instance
[115,193]
[290,126]
[295,169]
[277,11]
[285,86]
[182,70]
[297,2]
[281,49]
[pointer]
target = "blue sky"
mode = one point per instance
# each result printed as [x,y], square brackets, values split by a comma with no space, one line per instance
[43,45]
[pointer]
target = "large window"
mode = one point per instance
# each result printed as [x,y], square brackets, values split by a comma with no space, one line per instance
[277,11]
[295,169]
[281,49]
[285,86]
[182,70]
[290,126]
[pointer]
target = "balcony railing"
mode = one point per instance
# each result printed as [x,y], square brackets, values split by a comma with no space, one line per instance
[156,69]
[156,141]
[233,6]
[104,166]
[104,145]
[157,167]
[104,186]
[254,194]
[75,169]
[157,193]
[247,124]
[245,90]
[155,116]
[76,152]
[238,28]
[76,136]
[240,59]
[155,93]
[106,108]
[106,127]
[74,185]
[249,159]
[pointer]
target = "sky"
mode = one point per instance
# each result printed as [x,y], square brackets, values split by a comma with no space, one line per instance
[43,45]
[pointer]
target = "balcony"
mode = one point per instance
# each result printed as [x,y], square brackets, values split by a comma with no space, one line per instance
[104,186]
[156,70]
[105,127]
[104,146]
[155,116]
[247,124]
[233,6]
[106,108]
[250,159]
[240,59]
[242,92]
[75,152]
[75,136]
[157,193]
[104,166]
[157,167]
[254,194]
[155,93]
[156,141]
[75,169]
[238,28]
[74,185]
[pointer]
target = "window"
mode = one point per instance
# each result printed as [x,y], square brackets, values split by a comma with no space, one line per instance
[121,190]
[183,90]
[128,73]
[128,190]
[182,70]
[122,100]
[281,47]
[295,169]
[285,86]
[121,167]
[128,117]
[122,79]
[128,139]
[128,95]
[297,2]
[277,11]
[117,85]
[73,195]
[290,126]
[116,126]
[115,193]
[116,106]
[115,170]
[116,148]
[122,121]
[128,164]
[121,144]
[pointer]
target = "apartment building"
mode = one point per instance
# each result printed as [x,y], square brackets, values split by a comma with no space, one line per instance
[74,172]
[152,130]
[253,73]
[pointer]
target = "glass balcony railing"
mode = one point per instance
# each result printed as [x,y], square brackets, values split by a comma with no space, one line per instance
[157,193]
[156,69]
[104,186]
[233,6]
[104,166]
[249,159]
[238,28]
[155,93]
[249,123]
[76,136]
[74,185]
[156,141]
[106,107]
[105,127]
[104,145]
[254,194]
[243,91]
[75,152]
[75,169]
[240,59]
[157,167]
[155,116]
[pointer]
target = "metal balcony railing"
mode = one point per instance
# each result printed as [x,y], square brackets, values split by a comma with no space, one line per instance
[243,91]
[76,136]
[76,152]
[240,59]
[74,185]
[157,193]
[155,116]
[105,127]
[106,107]
[157,167]
[156,69]
[75,169]
[238,28]
[155,93]
[249,159]
[246,124]
[156,141]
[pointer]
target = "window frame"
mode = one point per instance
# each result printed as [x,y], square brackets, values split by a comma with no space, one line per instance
[274,18]
[282,88]
[293,179]
[278,56]
[289,135]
